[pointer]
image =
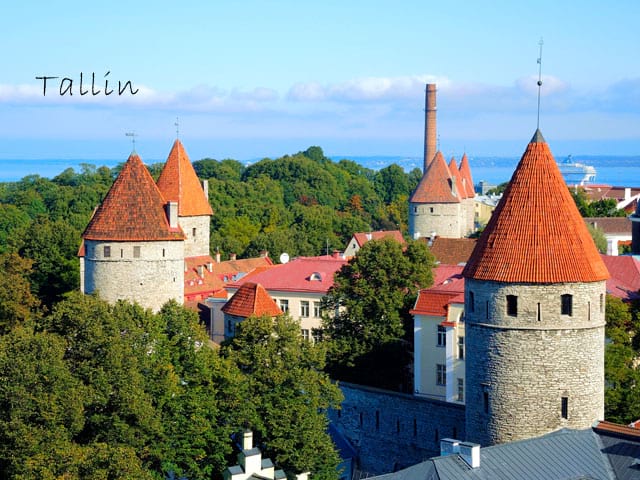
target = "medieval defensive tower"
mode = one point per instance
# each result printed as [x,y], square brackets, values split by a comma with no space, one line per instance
[430,132]
[635,231]
[534,312]
[179,183]
[133,246]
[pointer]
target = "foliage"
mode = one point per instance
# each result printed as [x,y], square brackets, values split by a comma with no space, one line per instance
[597,234]
[605,207]
[371,298]
[17,304]
[499,189]
[290,393]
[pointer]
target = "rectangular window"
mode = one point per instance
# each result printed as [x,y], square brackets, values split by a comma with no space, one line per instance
[461,348]
[472,302]
[304,308]
[305,334]
[441,374]
[460,390]
[601,303]
[485,401]
[539,313]
[284,305]
[136,252]
[566,301]
[316,309]
[193,232]
[316,333]
[107,251]
[442,336]
[512,305]
[564,407]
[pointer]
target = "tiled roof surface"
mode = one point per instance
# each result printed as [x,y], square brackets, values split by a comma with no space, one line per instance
[625,276]
[444,272]
[132,210]
[460,188]
[453,251]
[465,170]
[611,225]
[363,237]
[435,184]
[448,288]
[302,274]
[432,303]
[251,299]
[536,234]
[178,182]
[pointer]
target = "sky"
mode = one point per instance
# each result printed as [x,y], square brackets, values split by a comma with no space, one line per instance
[257,79]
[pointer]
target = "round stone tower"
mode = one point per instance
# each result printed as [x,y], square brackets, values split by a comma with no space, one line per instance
[534,312]
[133,246]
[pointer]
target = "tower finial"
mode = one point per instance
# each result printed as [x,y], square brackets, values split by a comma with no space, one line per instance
[133,136]
[539,80]
[177,125]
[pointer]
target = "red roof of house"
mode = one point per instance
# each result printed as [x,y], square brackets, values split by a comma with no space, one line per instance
[465,170]
[432,303]
[615,428]
[460,188]
[364,237]
[178,182]
[536,234]
[625,276]
[435,184]
[611,225]
[251,299]
[302,274]
[449,289]
[452,251]
[445,272]
[133,209]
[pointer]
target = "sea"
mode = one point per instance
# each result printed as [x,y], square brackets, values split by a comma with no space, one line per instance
[611,170]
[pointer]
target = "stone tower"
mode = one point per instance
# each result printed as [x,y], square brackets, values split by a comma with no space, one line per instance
[430,131]
[635,231]
[133,246]
[534,312]
[179,183]
[436,204]
[467,180]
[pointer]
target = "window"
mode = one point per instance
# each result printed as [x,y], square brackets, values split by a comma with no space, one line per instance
[304,308]
[316,333]
[461,390]
[121,252]
[305,334]
[512,305]
[564,407]
[566,301]
[539,314]
[136,252]
[284,305]
[485,399]
[163,252]
[442,336]
[107,251]
[472,302]
[316,309]
[461,348]
[193,232]
[230,328]
[601,303]
[441,374]
[430,209]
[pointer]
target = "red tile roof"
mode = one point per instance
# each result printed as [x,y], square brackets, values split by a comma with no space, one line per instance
[536,234]
[133,209]
[453,251]
[615,428]
[442,273]
[460,188]
[435,301]
[465,170]
[625,276]
[611,225]
[251,299]
[178,182]
[435,184]
[364,237]
[302,274]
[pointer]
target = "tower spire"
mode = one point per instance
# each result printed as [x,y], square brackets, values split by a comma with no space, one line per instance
[539,80]
[133,136]
[177,125]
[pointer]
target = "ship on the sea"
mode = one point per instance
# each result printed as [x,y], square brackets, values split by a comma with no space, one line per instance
[575,173]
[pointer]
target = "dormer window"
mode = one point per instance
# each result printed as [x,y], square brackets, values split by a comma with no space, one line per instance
[315,276]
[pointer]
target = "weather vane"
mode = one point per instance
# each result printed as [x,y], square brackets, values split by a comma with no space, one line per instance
[539,79]
[177,125]
[133,136]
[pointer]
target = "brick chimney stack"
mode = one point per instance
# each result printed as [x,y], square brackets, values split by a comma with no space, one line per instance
[430,133]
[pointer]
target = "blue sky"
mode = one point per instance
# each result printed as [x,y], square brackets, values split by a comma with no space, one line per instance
[256,78]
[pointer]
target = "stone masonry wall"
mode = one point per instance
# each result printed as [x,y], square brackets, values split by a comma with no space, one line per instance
[446,220]
[151,279]
[519,368]
[199,245]
[392,430]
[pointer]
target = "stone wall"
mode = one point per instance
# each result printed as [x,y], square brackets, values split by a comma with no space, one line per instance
[392,430]
[446,219]
[151,279]
[519,368]
[198,245]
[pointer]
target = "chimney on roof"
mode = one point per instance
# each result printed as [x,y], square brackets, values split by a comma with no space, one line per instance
[232,256]
[369,236]
[430,132]
[247,440]
[454,190]
[186,267]
[172,214]
[627,193]
[449,446]
[336,254]
[201,271]
[210,267]
[264,254]
[470,453]
[218,257]
[205,189]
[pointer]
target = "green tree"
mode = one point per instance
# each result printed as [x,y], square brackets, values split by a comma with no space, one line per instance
[597,234]
[17,304]
[372,296]
[290,393]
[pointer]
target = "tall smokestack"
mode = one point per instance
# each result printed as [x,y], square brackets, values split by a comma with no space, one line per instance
[430,135]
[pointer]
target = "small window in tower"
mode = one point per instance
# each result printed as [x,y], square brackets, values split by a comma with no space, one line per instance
[472,302]
[136,251]
[121,252]
[601,302]
[430,209]
[107,251]
[163,252]
[589,311]
[566,304]
[539,314]
[415,209]
[193,232]
[564,407]
[485,401]
[512,305]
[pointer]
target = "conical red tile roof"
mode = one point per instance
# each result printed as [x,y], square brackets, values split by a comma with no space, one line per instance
[536,234]
[435,184]
[178,182]
[465,170]
[251,299]
[460,188]
[132,210]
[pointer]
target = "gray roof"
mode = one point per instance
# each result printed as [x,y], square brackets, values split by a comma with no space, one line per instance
[561,455]
[623,453]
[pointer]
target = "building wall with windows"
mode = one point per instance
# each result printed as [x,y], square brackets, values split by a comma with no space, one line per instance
[196,230]
[304,307]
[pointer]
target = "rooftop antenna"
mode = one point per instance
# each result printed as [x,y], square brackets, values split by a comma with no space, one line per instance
[539,79]
[177,125]
[133,136]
